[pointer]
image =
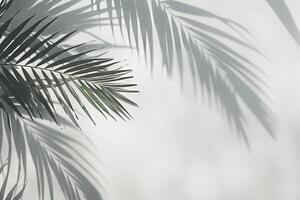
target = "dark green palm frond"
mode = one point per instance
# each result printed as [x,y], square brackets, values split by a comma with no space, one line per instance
[281,9]
[70,17]
[35,77]
[221,71]
[38,79]
[55,156]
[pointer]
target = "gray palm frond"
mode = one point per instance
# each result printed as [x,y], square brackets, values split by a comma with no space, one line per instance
[218,69]
[13,193]
[7,167]
[55,156]
[69,16]
[281,9]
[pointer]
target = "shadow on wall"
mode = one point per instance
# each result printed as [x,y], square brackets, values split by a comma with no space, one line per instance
[282,11]
[225,76]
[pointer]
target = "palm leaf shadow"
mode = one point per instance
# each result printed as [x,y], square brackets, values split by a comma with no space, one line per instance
[33,75]
[68,20]
[55,155]
[57,150]
[282,11]
[13,193]
[179,34]
[218,69]
[29,87]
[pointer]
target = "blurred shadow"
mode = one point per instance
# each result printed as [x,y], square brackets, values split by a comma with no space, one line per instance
[218,69]
[68,17]
[55,155]
[221,71]
[178,35]
[13,192]
[63,155]
[282,11]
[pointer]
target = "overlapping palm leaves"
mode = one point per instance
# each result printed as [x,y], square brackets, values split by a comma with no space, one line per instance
[38,75]
[4,5]
[218,69]
[13,193]
[72,16]
[38,78]
[57,157]
[33,74]
[180,34]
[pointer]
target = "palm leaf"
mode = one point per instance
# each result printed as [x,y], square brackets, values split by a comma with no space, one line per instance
[178,25]
[55,155]
[38,78]
[12,193]
[34,79]
[78,18]
[219,70]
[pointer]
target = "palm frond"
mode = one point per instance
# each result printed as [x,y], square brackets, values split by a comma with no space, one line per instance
[69,16]
[39,78]
[34,76]
[7,168]
[10,193]
[182,29]
[55,156]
